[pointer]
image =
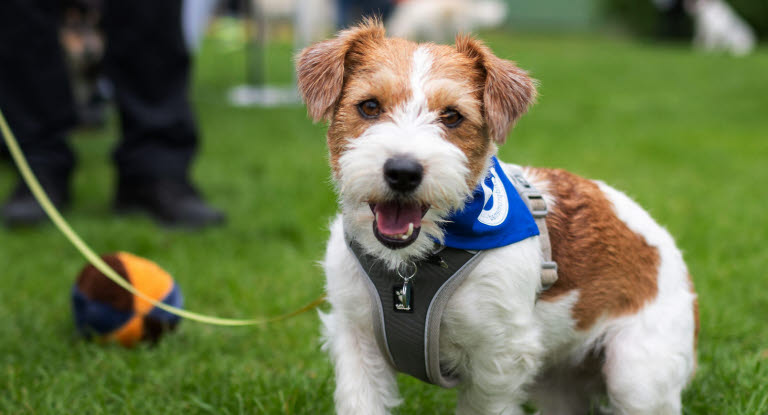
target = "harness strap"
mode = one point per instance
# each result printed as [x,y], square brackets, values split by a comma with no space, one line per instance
[408,331]
[538,207]
[410,339]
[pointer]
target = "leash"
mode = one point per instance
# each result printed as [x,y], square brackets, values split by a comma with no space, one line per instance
[96,261]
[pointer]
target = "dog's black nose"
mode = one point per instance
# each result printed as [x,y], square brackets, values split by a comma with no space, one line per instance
[402,173]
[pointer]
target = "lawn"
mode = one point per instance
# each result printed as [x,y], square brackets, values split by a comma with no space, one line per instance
[685,134]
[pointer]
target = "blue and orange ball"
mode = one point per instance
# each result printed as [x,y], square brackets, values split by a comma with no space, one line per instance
[106,312]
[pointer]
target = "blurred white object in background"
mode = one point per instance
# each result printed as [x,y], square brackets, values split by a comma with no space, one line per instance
[718,28]
[314,21]
[440,20]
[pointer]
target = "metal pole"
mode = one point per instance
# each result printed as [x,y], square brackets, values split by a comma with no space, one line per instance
[255,44]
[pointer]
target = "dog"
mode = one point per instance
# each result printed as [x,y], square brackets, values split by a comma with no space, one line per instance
[620,322]
[441,20]
[717,27]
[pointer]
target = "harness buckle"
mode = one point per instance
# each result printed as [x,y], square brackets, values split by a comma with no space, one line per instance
[537,206]
[548,274]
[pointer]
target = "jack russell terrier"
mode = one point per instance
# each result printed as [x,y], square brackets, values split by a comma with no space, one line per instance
[412,137]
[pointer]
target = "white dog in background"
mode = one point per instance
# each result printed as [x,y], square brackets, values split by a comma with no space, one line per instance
[719,28]
[441,20]
[412,131]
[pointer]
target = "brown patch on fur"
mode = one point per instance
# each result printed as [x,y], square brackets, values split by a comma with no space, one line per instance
[94,285]
[382,71]
[508,92]
[321,67]
[457,83]
[378,71]
[334,76]
[614,269]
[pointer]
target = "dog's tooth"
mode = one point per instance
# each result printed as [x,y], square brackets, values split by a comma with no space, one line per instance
[410,231]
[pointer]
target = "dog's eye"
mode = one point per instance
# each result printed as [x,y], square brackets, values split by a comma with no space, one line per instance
[369,108]
[451,118]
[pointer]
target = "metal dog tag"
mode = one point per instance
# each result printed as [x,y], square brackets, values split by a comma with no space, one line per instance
[404,293]
[403,297]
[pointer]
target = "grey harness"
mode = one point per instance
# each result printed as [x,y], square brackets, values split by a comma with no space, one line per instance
[409,303]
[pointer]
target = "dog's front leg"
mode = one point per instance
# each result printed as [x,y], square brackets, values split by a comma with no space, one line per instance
[496,382]
[365,381]
[474,401]
[490,320]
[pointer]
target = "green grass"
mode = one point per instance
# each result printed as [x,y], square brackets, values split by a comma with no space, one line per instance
[684,134]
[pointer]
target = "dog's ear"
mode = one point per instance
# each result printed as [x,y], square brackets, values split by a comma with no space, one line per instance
[508,91]
[320,68]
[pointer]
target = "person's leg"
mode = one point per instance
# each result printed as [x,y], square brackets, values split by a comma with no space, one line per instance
[149,65]
[36,99]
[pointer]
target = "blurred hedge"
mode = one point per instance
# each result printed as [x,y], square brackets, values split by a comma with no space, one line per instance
[642,18]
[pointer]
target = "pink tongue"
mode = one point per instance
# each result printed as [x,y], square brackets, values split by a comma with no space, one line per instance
[394,218]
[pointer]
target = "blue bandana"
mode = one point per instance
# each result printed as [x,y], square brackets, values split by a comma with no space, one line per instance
[495,216]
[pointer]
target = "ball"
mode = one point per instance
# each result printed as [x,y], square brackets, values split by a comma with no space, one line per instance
[106,312]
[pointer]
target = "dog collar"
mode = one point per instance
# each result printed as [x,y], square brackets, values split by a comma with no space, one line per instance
[409,303]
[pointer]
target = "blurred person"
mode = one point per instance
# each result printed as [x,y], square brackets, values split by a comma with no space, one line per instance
[148,64]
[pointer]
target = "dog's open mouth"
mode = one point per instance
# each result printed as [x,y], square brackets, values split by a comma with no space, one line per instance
[397,224]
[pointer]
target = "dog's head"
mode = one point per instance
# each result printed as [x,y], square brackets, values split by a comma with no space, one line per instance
[412,129]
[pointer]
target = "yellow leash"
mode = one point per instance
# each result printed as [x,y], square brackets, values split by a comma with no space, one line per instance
[96,261]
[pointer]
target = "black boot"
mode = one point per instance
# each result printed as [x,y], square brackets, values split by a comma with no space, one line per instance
[172,203]
[21,208]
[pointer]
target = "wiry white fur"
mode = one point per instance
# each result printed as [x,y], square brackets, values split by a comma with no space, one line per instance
[506,347]
[422,63]
[413,131]
[365,382]
[489,333]
[650,355]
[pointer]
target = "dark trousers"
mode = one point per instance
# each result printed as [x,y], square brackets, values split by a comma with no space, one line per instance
[146,61]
